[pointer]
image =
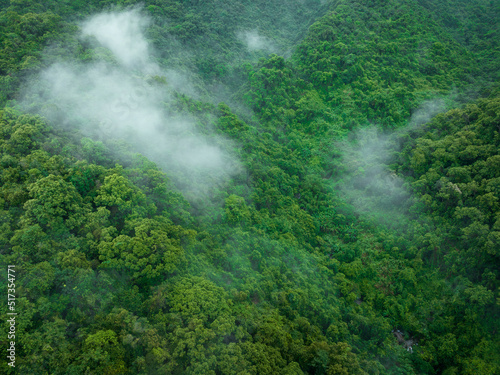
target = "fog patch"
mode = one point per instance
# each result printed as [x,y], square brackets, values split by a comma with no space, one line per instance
[256,42]
[122,34]
[132,102]
[369,183]
[426,111]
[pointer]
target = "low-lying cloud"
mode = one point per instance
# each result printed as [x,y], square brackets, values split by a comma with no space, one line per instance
[122,34]
[129,99]
[426,111]
[368,183]
[256,42]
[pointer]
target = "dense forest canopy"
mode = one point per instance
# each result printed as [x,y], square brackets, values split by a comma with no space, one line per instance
[250,187]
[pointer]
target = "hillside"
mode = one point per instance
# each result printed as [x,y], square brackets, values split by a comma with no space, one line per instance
[299,187]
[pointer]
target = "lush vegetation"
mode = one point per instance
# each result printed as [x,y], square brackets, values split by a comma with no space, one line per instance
[349,214]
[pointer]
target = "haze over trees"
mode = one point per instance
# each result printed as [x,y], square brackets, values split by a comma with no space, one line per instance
[251,187]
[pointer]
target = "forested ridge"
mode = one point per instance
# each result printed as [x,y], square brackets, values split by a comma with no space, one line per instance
[251,187]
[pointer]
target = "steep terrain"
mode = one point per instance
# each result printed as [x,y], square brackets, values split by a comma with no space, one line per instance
[297,187]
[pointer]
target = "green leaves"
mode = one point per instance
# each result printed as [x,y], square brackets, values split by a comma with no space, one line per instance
[20,133]
[54,202]
[274,273]
[103,353]
[154,250]
[124,200]
[237,212]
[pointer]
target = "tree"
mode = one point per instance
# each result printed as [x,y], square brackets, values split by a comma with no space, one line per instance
[155,248]
[55,204]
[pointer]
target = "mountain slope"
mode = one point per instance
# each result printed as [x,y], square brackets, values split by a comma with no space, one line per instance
[297,214]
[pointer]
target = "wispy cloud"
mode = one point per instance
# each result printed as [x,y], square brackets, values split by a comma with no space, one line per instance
[126,100]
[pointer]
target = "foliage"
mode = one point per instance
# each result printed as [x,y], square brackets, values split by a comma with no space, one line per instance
[120,271]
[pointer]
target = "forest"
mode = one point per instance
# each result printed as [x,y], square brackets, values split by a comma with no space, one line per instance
[250,187]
